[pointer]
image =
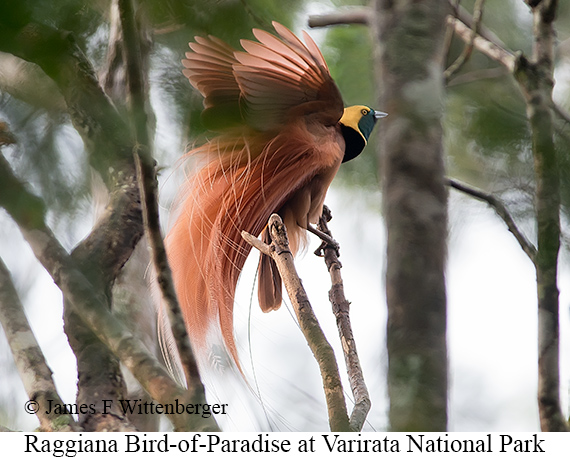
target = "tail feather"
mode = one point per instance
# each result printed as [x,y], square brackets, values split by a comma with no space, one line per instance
[270,288]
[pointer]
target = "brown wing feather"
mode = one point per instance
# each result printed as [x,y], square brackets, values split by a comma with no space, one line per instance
[212,60]
[281,78]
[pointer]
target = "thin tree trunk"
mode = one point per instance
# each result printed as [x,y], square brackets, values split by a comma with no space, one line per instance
[535,76]
[411,37]
[536,80]
[30,362]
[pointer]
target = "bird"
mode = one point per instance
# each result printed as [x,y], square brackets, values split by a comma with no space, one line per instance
[280,132]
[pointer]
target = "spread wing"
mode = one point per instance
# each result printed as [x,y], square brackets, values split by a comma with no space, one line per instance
[271,81]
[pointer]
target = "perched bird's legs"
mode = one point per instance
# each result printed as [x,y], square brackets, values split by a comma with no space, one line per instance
[328,240]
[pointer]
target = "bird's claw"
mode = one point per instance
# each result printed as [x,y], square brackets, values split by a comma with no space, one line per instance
[328,242]
[320,251]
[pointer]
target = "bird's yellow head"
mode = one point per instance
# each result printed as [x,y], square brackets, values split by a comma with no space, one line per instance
[356,125]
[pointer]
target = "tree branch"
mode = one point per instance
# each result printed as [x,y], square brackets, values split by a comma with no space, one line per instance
[28,211]
[501,210]
[477,75]
[92,113]
[490,45]
[91,304]
[26,81]
[468,48]
[320,347]
[148,185]
[464,16]
[491,49]
[341,310]
[29,359]
[102,255]
[353,15]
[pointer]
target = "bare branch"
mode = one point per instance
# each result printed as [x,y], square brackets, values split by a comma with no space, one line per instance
[101,257]
[341,17]
[266,249]
[27,82]
[491,49]
[449,33]
[322,350]
[468,49]
[149,190]
[494,49]
[26,207]
[103,253]
[501,210]
[29,359]
[341,310]
[464,16]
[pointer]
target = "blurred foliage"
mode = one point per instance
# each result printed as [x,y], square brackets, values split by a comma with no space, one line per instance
[347,50]
[48,155]
[486,131]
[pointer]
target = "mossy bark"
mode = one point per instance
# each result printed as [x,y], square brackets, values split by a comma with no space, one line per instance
[411,37]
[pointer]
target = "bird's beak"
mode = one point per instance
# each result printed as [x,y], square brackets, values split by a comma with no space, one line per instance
[379,115]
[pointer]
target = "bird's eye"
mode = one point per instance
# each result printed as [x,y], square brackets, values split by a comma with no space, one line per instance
[364,111]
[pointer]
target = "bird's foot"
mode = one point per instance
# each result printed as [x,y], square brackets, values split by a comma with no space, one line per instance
[328,241]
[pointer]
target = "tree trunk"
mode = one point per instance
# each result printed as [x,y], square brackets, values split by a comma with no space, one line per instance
[536,79]
[411,36]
